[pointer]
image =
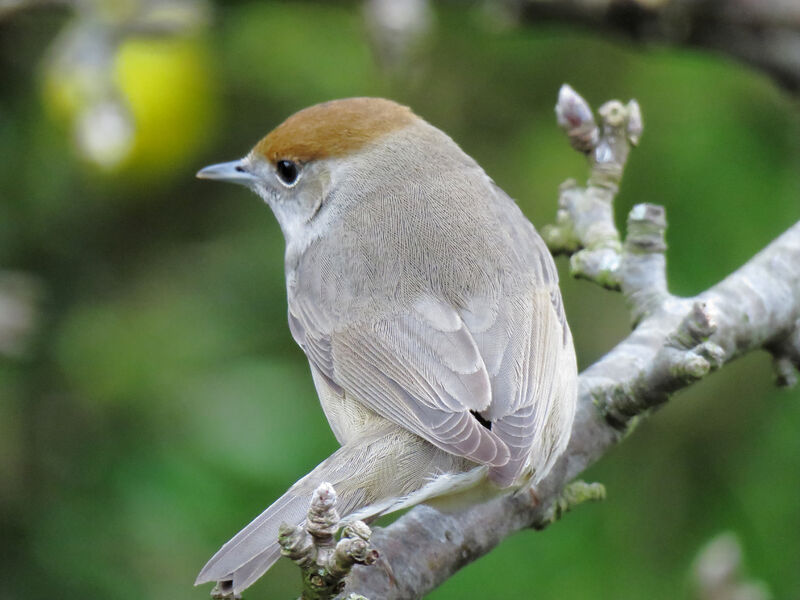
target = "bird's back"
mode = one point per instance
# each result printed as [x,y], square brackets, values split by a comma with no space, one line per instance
[464,243]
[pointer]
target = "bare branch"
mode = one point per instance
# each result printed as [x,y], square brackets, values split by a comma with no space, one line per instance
[762,33]
[425,547]
[643,266]
[585,221]
[676,342]
[786,356]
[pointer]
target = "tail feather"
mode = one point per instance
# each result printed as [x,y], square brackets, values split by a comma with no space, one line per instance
[371,475]
[247,574]
[256,539]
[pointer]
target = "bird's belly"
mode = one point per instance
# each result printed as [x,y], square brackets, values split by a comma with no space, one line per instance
[347,417]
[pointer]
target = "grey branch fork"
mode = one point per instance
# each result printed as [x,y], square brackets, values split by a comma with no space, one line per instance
[675,342]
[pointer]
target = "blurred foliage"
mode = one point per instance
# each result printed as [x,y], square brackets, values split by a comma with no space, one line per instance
[120,74]
[159,407]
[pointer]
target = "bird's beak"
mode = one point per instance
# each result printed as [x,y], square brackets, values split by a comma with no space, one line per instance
[232,172]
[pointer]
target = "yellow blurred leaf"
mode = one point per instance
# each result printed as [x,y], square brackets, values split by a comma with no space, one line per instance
[167,85]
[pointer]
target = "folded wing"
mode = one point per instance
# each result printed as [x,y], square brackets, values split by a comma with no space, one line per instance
[420,369]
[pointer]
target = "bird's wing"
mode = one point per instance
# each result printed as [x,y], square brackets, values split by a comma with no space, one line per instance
[516,331]
[420,369]
[524,351]
[526,346]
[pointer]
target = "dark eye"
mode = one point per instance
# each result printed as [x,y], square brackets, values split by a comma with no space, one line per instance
[287,171]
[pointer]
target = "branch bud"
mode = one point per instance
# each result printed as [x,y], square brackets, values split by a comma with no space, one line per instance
[635,123]
[574,116]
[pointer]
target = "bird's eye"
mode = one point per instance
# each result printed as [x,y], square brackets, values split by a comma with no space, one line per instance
[287,172]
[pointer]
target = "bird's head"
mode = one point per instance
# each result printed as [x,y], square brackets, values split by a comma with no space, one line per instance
[294,167]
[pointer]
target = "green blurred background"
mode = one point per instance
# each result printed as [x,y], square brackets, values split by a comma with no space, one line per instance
[146,416]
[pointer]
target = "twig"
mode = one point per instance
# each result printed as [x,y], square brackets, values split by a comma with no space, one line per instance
[763,33]
[323,561]
[676,341]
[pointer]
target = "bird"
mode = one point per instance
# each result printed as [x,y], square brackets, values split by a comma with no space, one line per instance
[429,310]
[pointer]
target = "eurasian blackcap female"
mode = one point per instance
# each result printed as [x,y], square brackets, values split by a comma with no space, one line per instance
[428,308]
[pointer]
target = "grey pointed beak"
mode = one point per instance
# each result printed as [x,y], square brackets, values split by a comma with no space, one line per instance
[232,172]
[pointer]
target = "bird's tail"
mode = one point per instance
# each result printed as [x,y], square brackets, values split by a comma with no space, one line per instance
[255,548]
[371,476]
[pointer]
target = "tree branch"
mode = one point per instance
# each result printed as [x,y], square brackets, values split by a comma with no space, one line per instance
[762,33]
[676,342]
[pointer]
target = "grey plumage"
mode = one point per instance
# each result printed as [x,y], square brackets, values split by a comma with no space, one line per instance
[422,298]
[426,302]
[388,459]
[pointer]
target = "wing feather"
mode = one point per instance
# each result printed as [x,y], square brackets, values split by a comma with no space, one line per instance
[421,369]
[497,349]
